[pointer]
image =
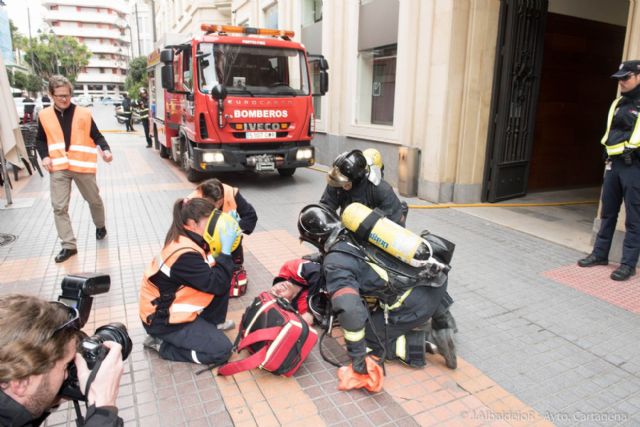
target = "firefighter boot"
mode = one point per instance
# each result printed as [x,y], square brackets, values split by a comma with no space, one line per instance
[443,339]
[443,327]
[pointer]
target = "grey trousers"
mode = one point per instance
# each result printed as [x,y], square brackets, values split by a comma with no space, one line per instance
[60,196]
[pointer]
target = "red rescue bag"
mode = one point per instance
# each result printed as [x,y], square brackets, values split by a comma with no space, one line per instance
[277,337]
[238,283]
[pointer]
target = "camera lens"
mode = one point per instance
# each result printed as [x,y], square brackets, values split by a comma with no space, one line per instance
[115,332]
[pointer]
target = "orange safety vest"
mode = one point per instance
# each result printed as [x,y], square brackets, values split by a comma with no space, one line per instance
[229,203]
[82,156]
[184,303]
[228,196]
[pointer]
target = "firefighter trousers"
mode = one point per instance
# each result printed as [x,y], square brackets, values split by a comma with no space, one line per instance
[414,312]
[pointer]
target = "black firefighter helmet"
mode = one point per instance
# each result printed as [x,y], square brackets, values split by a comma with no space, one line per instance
[350,166]
[317,224]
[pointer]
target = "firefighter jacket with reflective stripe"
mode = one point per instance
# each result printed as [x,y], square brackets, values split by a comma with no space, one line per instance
[82,156]
[143,109]
[180,283]
[623,126]
[379,196]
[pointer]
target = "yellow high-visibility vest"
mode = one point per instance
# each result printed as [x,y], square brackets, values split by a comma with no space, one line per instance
[633,142]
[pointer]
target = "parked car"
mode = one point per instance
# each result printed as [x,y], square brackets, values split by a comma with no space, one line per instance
[110,100]
[20,108]
[83,101]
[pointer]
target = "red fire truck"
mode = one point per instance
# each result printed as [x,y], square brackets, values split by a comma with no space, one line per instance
[236,98]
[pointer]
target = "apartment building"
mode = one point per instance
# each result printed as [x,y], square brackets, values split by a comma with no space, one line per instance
[186,16]
[141,27]
[103,28]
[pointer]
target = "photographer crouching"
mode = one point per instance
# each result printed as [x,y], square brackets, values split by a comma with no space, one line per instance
[45,357]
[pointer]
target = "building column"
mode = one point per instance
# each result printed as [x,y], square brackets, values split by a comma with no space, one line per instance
[457,39]
[632,41]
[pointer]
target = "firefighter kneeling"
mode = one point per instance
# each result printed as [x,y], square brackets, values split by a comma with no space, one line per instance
[402,298]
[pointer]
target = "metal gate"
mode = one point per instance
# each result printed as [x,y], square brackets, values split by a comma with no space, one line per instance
[515,97]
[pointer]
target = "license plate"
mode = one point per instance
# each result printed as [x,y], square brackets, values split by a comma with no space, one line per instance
[260,135]
[265,165]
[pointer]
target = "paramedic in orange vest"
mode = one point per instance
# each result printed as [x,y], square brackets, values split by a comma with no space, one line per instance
[229,200]
[184,295]
[68,141]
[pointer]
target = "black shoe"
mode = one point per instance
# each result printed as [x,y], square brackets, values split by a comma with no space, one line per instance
[148,146]
[443,339]
[152,343]
[101,233]
[65,254]
[623,273]
[592,260]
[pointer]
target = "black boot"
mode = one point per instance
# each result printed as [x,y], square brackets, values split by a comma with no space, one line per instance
[443,339]
[443,327]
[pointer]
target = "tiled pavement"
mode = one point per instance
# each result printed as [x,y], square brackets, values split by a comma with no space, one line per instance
[540,340]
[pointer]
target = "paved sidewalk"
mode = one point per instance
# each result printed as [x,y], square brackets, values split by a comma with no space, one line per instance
[541,341]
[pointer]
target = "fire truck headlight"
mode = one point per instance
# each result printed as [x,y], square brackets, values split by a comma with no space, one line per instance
[304,153]
[213,157]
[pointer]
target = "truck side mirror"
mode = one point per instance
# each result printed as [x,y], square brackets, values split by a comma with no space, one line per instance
[166,56]
[324,82]
[168,82]
[219,92]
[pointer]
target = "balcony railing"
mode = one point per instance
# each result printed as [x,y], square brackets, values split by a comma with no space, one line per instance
[94,33]
[117,5]
[97,48]
[71,16]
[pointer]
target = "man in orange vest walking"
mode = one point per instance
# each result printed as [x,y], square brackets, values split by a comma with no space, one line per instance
[68,141]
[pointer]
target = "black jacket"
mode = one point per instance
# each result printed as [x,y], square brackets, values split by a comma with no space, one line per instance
[126,104]
[625,117]
[344,266]
[247,213]
[12,414]
[379,196]
[65,118]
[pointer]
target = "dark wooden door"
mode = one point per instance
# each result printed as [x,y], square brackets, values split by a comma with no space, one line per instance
[514,99]
[575,93]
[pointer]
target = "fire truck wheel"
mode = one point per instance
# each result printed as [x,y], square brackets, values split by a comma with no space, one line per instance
[195,176]
[285,172]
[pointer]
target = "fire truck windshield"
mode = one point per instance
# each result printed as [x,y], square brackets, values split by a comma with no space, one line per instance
[252,70]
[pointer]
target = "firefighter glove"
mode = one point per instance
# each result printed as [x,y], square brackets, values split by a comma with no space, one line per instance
[228,236]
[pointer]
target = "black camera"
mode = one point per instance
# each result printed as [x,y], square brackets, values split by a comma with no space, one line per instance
[77,292]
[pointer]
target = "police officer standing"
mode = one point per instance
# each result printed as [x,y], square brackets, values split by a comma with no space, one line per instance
[622,175]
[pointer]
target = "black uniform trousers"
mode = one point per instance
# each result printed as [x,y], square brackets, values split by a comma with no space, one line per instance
[414,312]
[621,182]
[145,126]
[200,341]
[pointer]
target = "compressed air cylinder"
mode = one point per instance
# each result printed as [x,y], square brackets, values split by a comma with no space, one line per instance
[387,235]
